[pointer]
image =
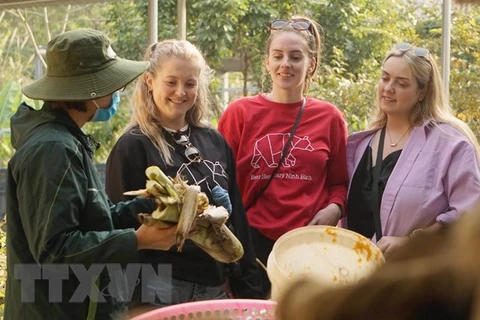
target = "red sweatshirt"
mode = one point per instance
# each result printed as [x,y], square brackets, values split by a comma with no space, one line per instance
[313,174]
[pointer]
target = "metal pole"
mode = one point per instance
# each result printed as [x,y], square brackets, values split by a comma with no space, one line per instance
[182,19]
[446,25]
[39,69]
[152,21]
[225,85]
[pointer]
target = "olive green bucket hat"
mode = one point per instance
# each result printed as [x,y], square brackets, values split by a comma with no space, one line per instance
[81,65]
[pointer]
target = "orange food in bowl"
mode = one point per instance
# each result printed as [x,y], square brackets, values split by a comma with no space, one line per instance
[330,255]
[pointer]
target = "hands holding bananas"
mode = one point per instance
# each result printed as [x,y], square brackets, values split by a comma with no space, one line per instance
[187,207]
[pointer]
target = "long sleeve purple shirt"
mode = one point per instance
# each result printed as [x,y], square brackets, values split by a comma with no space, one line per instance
[436,178]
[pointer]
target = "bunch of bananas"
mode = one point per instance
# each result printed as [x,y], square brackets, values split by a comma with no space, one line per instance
[187,207]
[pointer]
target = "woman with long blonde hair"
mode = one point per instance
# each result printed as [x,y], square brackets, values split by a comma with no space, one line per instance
[417,167]
[169,129]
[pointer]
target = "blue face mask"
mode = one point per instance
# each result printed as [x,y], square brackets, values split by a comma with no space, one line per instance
[105,114]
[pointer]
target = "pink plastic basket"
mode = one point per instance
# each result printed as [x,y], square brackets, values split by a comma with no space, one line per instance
[228,309]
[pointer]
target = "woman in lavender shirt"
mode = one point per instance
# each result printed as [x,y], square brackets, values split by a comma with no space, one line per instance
[430,171]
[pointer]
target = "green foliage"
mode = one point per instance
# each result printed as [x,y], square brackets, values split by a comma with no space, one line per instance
[10,98]
[221,29]
[354,95]
[356,36]
[17,53]
[127,23]
[464,58]
[465,67]
[16,46]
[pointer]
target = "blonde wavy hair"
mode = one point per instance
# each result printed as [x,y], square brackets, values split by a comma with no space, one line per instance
[145,113]
[434,106]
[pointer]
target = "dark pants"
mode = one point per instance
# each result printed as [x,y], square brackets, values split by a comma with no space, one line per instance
[262,246]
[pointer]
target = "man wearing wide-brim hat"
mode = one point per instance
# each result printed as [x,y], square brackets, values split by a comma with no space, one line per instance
[59,218]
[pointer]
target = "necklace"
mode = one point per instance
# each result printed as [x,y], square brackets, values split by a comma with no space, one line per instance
[392,144]
[181,137]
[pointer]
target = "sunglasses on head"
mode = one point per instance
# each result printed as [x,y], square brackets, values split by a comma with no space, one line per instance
[298,25]
[191,152]
[419,52]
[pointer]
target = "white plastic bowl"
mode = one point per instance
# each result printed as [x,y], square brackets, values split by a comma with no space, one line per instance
[331,255]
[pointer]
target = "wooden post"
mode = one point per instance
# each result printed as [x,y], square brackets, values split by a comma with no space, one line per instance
[182,19]
[152,21]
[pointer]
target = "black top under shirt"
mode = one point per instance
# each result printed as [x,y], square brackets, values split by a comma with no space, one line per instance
[359,201]
[125,170]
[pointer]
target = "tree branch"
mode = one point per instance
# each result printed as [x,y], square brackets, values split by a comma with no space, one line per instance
[10,43]
[47,23]
[65,22]
[32,37]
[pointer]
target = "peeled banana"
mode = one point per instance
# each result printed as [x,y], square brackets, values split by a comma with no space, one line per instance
[189,208]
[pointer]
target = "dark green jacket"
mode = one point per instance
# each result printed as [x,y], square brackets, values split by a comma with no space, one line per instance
[58,213]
